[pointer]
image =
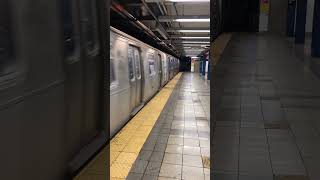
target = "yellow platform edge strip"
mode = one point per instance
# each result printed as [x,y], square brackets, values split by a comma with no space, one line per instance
[126,145]
[218,46]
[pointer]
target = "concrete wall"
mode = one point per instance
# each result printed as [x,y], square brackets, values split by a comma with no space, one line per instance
[278,16]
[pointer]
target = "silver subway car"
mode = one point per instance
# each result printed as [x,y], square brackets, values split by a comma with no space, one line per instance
[137,72]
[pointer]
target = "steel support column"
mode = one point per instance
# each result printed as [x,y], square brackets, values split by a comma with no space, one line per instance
[209,70]
[204,67]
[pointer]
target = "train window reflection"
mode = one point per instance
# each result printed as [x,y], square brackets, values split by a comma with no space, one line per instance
[131,63]
[112,72]
[151,64]
[68,28]
[89,24]
[137,62]
[6,40]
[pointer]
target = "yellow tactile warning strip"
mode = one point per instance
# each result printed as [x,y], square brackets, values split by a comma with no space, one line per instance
[218,46]
[126,145]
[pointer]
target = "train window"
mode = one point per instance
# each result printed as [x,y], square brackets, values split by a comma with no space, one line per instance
[89,25]
[137,62]
[151,64]
[131,62]
[68,28]
[112,72]
[6,40]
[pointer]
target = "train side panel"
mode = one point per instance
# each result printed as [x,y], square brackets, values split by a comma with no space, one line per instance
[120,86]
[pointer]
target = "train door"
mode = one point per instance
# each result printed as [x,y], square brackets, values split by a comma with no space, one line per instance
[92,64]
[134,63]
[137,62]
[160,70]
[132,78]
[152,71]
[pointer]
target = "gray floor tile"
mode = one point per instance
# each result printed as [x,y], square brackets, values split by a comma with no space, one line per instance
[157,156]
[139,166]
[192,161]
[175,140]
[189,150]
[149,177]
[144,155]
[134,176]
[172,158]
[174,149]
[159,147]
[153,168]
[191,142]
[192,173]
[171,171]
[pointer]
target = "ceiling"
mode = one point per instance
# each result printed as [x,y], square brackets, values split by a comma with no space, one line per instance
[184,25]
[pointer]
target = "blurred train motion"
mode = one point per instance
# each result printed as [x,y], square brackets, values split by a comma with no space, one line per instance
[53,75]
[137,72]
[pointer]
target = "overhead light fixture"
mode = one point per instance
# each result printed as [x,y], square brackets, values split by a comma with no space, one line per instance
[191,45]
[192,20]
[195,42]
[193,51]
[194,37]
[188,0]
[193,31]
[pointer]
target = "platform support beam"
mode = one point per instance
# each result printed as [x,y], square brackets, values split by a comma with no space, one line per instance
[301,21]
[209,70]
[204,67]
[315,46]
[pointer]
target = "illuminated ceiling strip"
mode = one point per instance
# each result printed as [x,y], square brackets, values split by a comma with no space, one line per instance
[193,37]
[192,31]
[192,20]
[195,42]
[187,0]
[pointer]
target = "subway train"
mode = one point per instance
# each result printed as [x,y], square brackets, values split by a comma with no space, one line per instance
[137,72]
[54,84]
[52,56]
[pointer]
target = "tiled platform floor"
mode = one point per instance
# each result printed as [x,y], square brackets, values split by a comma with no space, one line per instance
[126,145]
[178,145]
[267,125]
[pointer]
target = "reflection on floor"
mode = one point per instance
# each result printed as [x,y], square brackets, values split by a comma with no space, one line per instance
[267,122]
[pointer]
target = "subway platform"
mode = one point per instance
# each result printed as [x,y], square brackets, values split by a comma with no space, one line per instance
[176,144]
[267,103]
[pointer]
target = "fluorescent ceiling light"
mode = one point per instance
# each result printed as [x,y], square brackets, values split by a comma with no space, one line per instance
[188,0]
[193,20]
[191,45]
[194,37]
[194,49]
[195,42]
[193,31]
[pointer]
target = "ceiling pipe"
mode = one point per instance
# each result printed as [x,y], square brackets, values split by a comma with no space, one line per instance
[160,8]
[121,11]
[156,19]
